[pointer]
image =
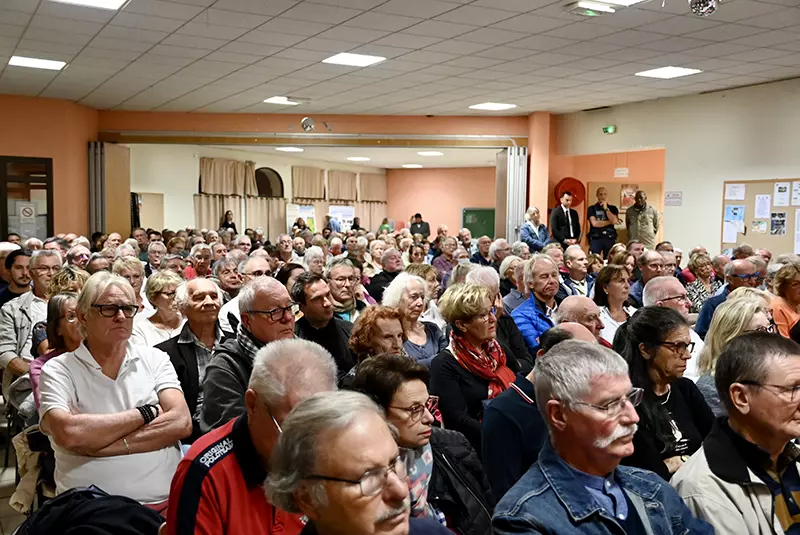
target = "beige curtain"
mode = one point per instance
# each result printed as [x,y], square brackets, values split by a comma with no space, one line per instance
[371,214]
[308,183]
[373,187]
[227,177]
[341,185]
[208,210]
[268,213]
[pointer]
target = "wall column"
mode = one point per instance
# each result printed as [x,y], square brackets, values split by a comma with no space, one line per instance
[539,169]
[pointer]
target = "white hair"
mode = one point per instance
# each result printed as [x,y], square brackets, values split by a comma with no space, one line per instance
[32,242]
[656,289]
[313,253]
[200,247]
[123,248]
[394,292]
[496,244]
[531,265]
[506,263]
[249,292]
[41,253]
[570,251]
[182,293]
[6,247]
[484,276]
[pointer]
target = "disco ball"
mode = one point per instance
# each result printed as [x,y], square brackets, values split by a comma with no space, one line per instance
[703,8]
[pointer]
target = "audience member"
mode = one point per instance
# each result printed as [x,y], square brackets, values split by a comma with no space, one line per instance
[675,418]
[445,262]
[33,244]
[602,219]
[131,269]
[507,280]
[392,263]
[577,281]
[97,263]
[102,405]
[79,256]
[611,296]
[13,237]
[378,331]
[167,321]
[423,340]
[482,257]
[498,251]
[174,263]
[704,284]
[625,259]
[249,270]
[594,263]
[5,249]
[372,266]
[784,306]
[650,265]
[519,293]
[318,323]
[473,368]
[155,255]
[314,260]
[431,278]
[642,221]
[200,262]
[267,314]
[218,252]
[577,485]
[738,273]
[465,240]
[582,310]
[226,275]
[533,232]
[565,225]
[718,263]
[224,493]
[534,316]
[341,276]
[446,479]
[742,251]
[17,265]
[556,252]
[521,250]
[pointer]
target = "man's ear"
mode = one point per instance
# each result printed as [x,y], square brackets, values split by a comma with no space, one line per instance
[740,397]
[305,502]
[556,414]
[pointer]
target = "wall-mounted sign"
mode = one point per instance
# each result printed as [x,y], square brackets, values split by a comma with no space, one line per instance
[673,198]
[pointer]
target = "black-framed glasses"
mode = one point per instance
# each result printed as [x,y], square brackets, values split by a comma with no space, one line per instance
[416,411]
[792,392]
[679,348]
[374,481]
[277,314]
[682,298]
[615,407]
[110,311]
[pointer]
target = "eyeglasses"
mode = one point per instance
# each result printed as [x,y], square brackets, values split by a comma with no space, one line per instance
[276,314]
[782,390]
[415,412]
[488,315]
[680,298]
[615,407]
[656,265]
[69,316]
[110,311]
[345,280]
[679,348]
[771,328]
[168,295]
[374,481]
[48,269]
[747,277]
[257,273]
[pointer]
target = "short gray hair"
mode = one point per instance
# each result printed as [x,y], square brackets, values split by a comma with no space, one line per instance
[656,289]
[484,276]
[121,248]
[313,252]
[531,265]
[337,263]
[250,291]
[566,371]
[223,263]
[394,292]
[518,247]
[569,251]
[294,458]
[156,245]
[200,247]
[390,251]
[182,292]
[159,281]
[41,253]
[496,244]
[291,365]
[506,263]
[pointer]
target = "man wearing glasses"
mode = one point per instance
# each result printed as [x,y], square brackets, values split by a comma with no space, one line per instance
[338,464]
[267,314]
[738,273]
[651,265]
[250,269]
[218,486]
[667,291]
[744,479]
[577,486]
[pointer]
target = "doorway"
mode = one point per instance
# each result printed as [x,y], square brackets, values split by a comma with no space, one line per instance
[27,186]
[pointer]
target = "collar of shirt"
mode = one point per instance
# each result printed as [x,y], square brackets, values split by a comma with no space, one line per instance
[544,308]
[84,355]
[246,454]
[605,490]
[755,457]
[188,337]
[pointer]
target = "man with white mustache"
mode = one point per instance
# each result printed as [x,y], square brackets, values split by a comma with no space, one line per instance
[337,463]
[577,485]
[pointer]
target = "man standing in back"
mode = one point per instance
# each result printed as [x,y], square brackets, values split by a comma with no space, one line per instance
[564,222]
[641,220]
[420,227]
[602,218]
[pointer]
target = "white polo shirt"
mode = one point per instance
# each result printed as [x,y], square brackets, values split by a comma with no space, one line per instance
[74,382]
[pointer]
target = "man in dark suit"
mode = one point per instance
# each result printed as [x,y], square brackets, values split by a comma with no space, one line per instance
[564,222]
[199,300]
[420,227]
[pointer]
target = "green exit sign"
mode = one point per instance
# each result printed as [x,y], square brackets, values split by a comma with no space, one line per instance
[610,129]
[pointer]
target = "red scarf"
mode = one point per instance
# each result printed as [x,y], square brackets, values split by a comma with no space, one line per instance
[489,365]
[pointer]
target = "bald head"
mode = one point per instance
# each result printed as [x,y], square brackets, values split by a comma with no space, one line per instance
[581,310]
[578,331]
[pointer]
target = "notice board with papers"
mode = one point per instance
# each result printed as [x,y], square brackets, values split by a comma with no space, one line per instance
[762,213]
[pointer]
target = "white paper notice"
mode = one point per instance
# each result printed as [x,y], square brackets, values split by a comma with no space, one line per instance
[797,232]
[795,193]
[734,192]
[762,206]
[729,229]
[780,197]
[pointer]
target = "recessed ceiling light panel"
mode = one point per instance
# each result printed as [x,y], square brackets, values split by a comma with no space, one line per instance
[624,3]
[412,166]
[353,60]
[36,63]
[665,73]
[289,149]
[358,159]
[283,101]
[492,106]
[100,4]
[430,153]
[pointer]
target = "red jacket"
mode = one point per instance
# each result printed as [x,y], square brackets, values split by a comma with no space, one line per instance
[217,489]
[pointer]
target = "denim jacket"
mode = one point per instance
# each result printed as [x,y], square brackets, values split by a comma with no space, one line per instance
[535,237]
[548,500]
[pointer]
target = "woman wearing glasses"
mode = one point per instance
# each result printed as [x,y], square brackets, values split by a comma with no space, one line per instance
[167,320]
[786,306]
[732,318]
[705,283]
[108,400]
[445,476]
[675,418]
[473,368]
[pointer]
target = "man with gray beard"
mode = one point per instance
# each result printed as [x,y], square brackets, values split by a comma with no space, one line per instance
[577,485]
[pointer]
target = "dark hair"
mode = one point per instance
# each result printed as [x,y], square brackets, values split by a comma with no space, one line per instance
[632,243]
[303,281]
[552,337]
[272,250]
[565,193]
[417,215]
[61,242]
[604,277]
[54,306]
[151,232]
[380,377]
[286,271]
[649,327]
[12,256]
[661,244]
[746,358]
[13,234]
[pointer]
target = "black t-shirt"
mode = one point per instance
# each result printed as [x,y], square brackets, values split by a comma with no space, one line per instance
[598,213]
[7,295]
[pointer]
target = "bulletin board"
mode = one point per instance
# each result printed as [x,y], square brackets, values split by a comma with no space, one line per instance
[770,225]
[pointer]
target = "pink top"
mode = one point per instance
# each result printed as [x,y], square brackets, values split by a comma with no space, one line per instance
[36,370]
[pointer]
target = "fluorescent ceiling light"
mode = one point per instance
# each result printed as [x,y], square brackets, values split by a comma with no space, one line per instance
[284,101]
[358,159]
[665,73]
[412,166]
[289,149]
[596,6]
[354,60]
[101,4]
[492,106]
[624,3]
[431,153]
[35,63]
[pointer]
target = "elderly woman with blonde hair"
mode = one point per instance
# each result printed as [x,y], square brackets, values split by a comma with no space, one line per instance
[732,318]
[431,278]
[167,321]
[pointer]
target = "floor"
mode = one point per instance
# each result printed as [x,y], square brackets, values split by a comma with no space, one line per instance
[9,518]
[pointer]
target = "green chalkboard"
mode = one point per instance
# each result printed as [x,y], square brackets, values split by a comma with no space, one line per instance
[479,221]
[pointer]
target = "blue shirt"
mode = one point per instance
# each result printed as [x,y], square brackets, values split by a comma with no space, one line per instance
[605,490]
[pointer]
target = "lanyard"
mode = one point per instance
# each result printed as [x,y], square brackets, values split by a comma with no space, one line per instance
[522,394]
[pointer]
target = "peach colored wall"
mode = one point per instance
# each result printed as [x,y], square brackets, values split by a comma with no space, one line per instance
[57,129]
[439,194]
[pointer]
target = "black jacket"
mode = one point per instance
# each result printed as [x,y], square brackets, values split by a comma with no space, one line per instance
[184,361]
[458,486]
[518,358]
[334,337]
[559,226]
[421,228]
[227,377]
[379,284]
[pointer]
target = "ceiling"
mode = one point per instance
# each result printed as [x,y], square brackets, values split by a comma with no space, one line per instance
[444,55]
[384,158]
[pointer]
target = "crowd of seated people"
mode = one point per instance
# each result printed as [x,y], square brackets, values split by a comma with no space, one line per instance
[493,386]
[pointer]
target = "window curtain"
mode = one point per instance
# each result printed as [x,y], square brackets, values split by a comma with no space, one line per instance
[268,213]
[208,210]
[227,177]
[341,185]
[308,183]
[373,187]
[371,214]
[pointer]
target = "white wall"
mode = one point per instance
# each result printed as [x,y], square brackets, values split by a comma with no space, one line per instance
[743,134]
[174,170]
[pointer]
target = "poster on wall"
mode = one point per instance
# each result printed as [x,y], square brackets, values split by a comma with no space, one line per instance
[759,226]
[734,212]
[292,213]
[627,195]
[344,214]
[763,206]
[308,213]
[778,224]
[795,193]
[735,192]
[780,196]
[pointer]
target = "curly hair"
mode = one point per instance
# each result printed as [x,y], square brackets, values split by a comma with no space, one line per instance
[67,279]
[361,337]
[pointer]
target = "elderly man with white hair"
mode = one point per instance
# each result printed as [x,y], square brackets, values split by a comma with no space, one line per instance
[580,309]
[577,485]
[79,256]
[219,485]
[33,244]
[498,250]
[392,263]
[519,293]
[535,316]
[338,464]
[466,241]
[249,269]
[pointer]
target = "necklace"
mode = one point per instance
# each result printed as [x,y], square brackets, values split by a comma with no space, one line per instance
[669,391]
